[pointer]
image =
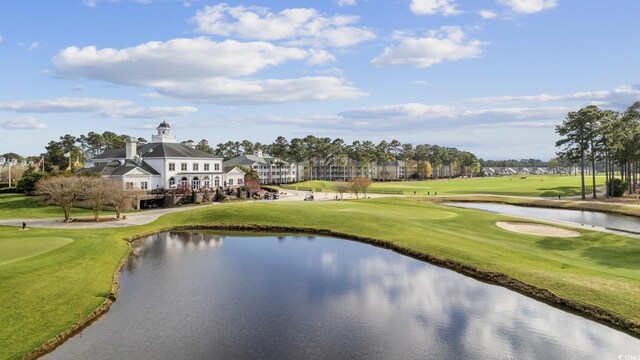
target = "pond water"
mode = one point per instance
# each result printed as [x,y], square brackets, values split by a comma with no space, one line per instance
[212,296]
[593,218]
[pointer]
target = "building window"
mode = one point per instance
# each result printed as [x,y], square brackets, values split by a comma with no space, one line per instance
[240,182]
[207,182]
[183,166]
[129,186]
[172,166]
[206,167]
[144,185]
[217,167]
[217,182]
[184,181]
[172,182]
[195,183]
[196,166]
[230,182]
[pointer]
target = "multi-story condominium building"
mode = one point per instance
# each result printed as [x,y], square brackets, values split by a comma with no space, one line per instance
[270,170]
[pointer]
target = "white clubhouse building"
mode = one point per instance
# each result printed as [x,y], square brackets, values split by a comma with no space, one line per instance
[164,164]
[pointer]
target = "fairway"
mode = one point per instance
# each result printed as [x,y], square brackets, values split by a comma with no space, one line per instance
[15,249]
[530,185]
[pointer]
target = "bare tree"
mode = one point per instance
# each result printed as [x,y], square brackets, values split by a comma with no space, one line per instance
[359,185]
[341,188]
[120,198]
[62,191]
[96,194]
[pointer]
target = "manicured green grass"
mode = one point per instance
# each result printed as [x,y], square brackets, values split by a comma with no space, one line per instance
[531,185]
[19,206]
[44,294]
[14,249]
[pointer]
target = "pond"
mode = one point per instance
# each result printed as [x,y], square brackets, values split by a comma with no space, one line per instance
[236,296]
[593,218]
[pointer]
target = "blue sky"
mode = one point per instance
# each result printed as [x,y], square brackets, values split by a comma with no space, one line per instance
[490,76]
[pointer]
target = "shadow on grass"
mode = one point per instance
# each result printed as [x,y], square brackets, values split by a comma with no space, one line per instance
[564,191]
[555,243]
[614,256]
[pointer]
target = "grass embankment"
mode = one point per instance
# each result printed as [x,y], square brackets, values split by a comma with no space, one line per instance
[44,294]
[530,185]
[18,206]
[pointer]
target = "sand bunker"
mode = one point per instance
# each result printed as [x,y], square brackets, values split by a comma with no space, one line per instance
[537,229]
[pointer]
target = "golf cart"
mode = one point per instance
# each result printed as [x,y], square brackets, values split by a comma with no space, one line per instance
[308,197]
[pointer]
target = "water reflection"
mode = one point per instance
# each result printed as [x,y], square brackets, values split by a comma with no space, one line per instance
[593,218]
[187,296]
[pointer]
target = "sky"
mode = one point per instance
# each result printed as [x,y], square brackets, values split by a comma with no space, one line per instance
[493,77]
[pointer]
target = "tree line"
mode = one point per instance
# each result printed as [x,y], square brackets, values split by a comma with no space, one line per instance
[592,135]
[323,153]
[320,153]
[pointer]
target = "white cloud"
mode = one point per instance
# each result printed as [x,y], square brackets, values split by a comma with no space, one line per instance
[487,14]
[347,2]
[320,57]
[62,105]
[148,113]
[529,6]
[432,7]
[204,70]
[184,59]
[446,44]
[620,96]
[151,95]
[29,47]
[258,91]
[24,122]
[297,26]
[105,107]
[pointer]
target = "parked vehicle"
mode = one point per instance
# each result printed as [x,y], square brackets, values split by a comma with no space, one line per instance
[308,197]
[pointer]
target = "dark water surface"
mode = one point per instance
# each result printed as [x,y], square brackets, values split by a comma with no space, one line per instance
[593,218]
[208,296]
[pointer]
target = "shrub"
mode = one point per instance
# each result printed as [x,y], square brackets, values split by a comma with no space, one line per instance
[619,187]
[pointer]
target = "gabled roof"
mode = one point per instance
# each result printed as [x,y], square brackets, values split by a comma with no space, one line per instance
[159,150]
[252,159]
[120,168]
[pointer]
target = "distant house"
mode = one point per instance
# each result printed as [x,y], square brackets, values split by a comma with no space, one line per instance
[539,171]
[524,171]
[487,171]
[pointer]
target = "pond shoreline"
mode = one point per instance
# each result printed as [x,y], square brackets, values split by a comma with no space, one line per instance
[591,312]
[545,203]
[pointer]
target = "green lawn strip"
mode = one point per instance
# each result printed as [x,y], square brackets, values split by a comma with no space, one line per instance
[14,249]
[519,185]
[19,206]
[45,293]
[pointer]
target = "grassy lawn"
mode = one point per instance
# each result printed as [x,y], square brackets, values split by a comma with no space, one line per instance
[46,287]
[532,185]
[18,206]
